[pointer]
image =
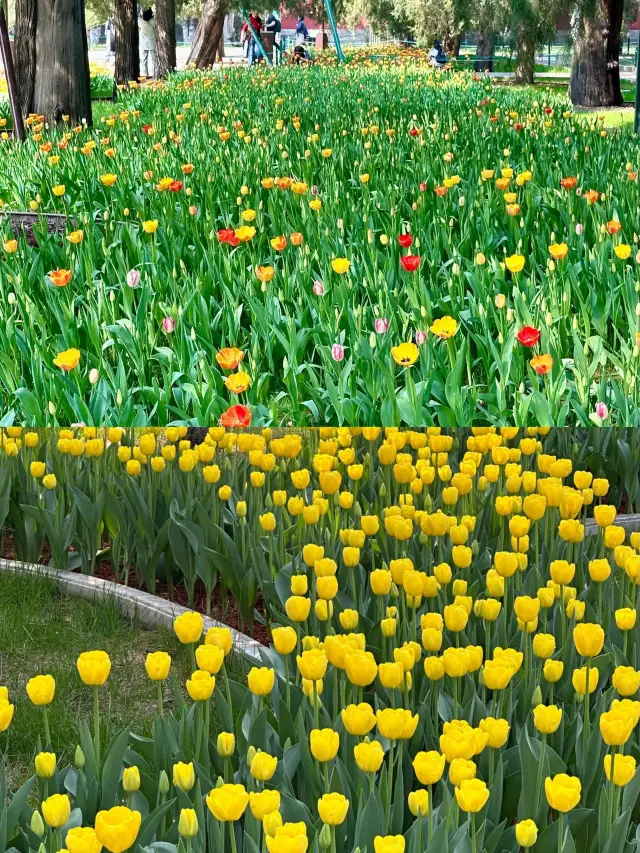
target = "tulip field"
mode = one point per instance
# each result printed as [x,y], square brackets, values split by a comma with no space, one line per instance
[452,659]
[376,244]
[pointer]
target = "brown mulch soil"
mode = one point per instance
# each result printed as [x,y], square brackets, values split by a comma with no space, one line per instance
[222,611]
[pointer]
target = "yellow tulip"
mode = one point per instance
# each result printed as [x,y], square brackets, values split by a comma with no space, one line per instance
[369,756]
[82,839]
[94,668]
[526,833]
[228,802]
[472,795]
[189,627]
[324,744]
[261,680]
[333,809]
[56,811]
[184,776]
[157,665]
[41,689]
[428,767]
[264,803]
[624,769]
[588,639]
[546,718]
[563,792]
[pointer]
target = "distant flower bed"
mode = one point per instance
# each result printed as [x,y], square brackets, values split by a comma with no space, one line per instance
[482,232]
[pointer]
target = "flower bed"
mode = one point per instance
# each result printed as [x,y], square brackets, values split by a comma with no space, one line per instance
[453,663]
[324,245]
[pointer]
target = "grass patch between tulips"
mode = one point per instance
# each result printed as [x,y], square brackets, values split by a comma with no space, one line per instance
[43,630]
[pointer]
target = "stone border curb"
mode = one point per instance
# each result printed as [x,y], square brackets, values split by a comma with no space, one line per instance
[150,610]
[630,523]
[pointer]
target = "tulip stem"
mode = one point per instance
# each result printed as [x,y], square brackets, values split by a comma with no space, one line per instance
[160,700]
[389,784]
[612,787]
[287,682]
[47,733]
[200,726]
[560,831]
[207,727]
[232,835]
[473,832]
[536,802]
[430,813]
[96,726]
[226,685]
[333,839]
[586,710]
[600,585]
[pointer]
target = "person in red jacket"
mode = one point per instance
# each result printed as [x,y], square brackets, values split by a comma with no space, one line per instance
[253,54]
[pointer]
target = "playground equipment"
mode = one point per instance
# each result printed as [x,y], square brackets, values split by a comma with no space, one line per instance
[332,24]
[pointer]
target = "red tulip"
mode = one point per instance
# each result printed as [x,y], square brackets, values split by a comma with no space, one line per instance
[410,262]
[528,336]
[227,235]
[175,186]
[405,240]
[236,416]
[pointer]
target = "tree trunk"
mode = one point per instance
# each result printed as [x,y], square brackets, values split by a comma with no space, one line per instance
[52,59]
[484,52]
[127,45]
[614,40]
[595,70]
[451,45]
[24,51]
[208,34]
[165,37]
[525,58]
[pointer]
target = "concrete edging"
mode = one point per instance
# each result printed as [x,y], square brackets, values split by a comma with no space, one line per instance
[150,610]
[630,523]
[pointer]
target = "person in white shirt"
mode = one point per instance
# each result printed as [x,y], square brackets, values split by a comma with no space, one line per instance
[147,28]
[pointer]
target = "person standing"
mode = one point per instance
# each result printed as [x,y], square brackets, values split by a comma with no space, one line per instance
[302,33]
[245,39]
[253,54]
[273,25]
[109,32]
[147,44]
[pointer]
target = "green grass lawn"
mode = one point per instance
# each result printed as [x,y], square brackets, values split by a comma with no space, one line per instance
[43,631]
[612,118]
